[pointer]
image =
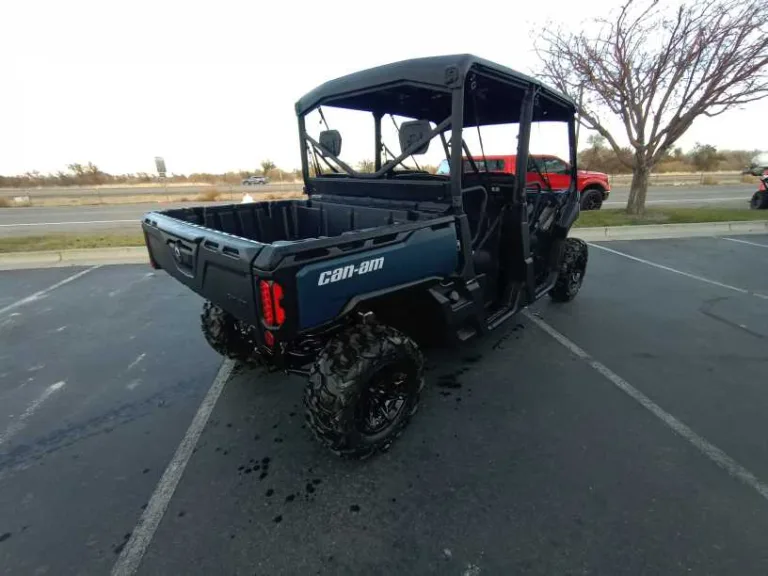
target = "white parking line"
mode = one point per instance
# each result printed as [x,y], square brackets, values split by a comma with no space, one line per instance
[22,224]
[42,293]
[701,444]
[680,272]
[130,558]
[745,242]
[18,425]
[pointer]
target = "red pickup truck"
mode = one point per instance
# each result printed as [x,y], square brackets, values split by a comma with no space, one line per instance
[552,173]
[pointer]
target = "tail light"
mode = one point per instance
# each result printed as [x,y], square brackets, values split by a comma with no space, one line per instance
[271,307]
[277,301]
[266,303]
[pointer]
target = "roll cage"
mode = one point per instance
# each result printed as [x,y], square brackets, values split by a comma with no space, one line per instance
[451,93]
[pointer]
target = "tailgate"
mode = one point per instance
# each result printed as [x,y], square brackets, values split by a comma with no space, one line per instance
[216,265]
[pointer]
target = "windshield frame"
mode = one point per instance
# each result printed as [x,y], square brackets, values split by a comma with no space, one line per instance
[313,146]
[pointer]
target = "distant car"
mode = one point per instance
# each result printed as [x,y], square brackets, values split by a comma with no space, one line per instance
[552,172]
[255,180]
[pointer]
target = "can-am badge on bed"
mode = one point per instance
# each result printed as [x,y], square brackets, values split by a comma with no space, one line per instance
[347,272]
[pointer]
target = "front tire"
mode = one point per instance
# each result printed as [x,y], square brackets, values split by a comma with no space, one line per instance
[591,199]
[226,335]
[573,267]
[363,390]
[759,200]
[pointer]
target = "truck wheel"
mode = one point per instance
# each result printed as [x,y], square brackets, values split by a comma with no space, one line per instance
[363,389]
[759,201]
[226,335]
[591,199]
[573,267]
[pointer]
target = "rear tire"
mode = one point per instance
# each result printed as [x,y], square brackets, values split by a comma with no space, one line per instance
[573,267]
[363,390]
[226,335]
[591,199]
[759,200]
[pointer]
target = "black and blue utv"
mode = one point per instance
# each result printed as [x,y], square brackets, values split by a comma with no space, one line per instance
[335,286]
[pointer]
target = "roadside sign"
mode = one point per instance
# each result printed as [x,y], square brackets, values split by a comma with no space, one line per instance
[160,165]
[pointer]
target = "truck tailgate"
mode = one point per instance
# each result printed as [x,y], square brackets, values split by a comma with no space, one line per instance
[215,265]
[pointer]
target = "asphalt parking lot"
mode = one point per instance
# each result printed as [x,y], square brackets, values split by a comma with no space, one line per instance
[622,433]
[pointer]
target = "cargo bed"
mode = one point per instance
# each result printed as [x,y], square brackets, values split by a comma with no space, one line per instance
[221,251]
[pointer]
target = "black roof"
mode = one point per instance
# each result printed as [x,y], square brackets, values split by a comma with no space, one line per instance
[413,87]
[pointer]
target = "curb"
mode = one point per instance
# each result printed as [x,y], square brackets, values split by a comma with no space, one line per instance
[139,255]
[63,258]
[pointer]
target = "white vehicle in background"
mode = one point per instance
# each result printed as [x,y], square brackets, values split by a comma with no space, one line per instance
[255,181]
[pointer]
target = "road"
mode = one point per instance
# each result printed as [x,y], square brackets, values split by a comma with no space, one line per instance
[732,196]
[622,433]
[84,219]
[80,219]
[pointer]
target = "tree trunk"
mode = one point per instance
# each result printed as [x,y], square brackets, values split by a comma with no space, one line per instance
[638,190]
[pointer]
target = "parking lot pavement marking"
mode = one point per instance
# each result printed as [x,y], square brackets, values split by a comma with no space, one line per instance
[136,362]
[41,293]
[17,425]
[680,272]
[130,558]
[744,242]
[708,449]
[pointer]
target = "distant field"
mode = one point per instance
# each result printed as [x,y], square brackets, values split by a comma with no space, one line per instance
[78,196]
[686,179]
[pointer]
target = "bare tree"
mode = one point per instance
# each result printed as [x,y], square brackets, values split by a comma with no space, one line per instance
[596,142]
[705,157]
[365,166]
[658,69]
[267,166]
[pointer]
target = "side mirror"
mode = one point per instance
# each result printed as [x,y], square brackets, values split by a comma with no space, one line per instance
[413,132]
[331,141]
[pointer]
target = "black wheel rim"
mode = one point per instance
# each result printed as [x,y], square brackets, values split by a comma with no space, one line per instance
[576,275]
[591,202]
[384,401]
[574,280]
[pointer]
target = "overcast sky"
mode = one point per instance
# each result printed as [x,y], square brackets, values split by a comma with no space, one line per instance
[211,85]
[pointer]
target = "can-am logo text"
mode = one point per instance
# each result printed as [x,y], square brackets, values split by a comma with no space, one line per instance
[347,272]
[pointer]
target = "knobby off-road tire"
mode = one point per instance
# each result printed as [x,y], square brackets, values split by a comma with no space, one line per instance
[759,201]
[367,375]
[573,267]
[224,334]
[591,199]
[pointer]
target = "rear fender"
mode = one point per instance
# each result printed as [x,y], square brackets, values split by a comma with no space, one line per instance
[330,288]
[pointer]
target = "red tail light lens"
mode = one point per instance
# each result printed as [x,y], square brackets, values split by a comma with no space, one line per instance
[277,300]
[272,303]
[269,338]
[266,303]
